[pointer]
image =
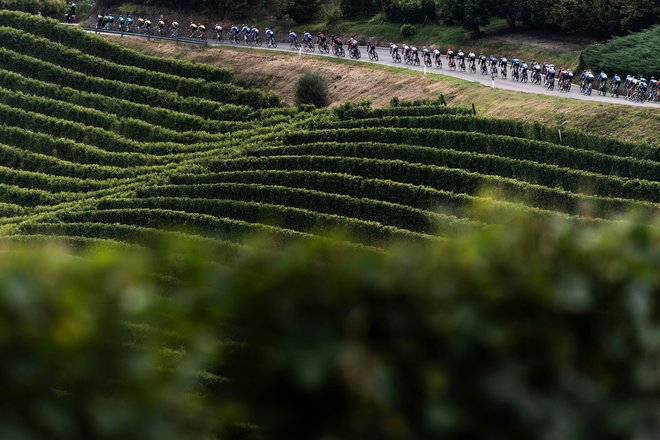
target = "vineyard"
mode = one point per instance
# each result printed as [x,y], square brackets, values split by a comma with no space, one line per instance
[102,144]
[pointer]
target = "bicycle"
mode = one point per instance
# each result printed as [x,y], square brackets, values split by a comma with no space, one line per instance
[338,50]
[473,68]
[218,37]
[524,77]
[602,90]
[354,53]
[308,46]
[438,62]
[484,69]
[503,72]
[550,83]
[452,64]
[373,55]
[415,60]
[324,48]
[493,71]
[271,42]
[615,90]
[536,77]
[462,66]
[293,44]
[396,57]
[586,90]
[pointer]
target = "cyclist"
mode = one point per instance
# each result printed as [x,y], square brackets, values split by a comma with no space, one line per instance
[562,78]
[588,78]
[147,25]
[255,34]
[503,63]
[245,31]
[270,36]
[321,38]
[602,83]
[515,66]
[175,28]
[406,51]
[482,63]
[218,32]
[550,76]
[140,24]
[293,37]
[437,56]
[371,48]
[129,22]
[307,38]
[121,21]
[106,22]
[393,49]
[99,21]
[460,55]
[234,33]
[193,30]
[414,54]
[492,61]
[616,84]
[472,58]
[450,58]
[523,70]
[642,86]
[161,27]
[426,53]
[111,21]
[337,43]
[201,31]
[352,43]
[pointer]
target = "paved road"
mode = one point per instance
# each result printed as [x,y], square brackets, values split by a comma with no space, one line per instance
[498,83]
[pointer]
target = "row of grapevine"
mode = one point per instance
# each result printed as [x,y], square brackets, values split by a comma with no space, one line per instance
[514,148]
[532,172]
[522,129]
[448,179]
[79,39]
[400,216]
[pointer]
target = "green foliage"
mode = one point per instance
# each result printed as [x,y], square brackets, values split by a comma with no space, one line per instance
[51,8]
[360,8]
[472,14]
[311,88]
[409,11]
[333,13]
[301,11]
[194,350]
[407,31]
[634,54]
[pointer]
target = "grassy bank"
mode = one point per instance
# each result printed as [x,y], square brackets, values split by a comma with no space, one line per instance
[354,81]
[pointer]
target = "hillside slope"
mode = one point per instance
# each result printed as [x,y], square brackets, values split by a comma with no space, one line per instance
[102,143]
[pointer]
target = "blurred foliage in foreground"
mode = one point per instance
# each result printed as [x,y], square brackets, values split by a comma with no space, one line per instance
[545,330]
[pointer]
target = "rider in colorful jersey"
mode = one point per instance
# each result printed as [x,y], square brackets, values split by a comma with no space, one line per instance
[450,54]
[121,21]
[255,33]
[307,37]
[460,55]
[503,62]
[269,34]
[293,37]
[245,30]
[414,53]
[587,78]
[436,55]
[492,61]
[394,49]
[352,43]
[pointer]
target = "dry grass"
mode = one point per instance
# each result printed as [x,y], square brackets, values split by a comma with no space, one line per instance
[351,81]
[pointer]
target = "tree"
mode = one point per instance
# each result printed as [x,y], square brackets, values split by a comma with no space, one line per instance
[301,11]
[472,14]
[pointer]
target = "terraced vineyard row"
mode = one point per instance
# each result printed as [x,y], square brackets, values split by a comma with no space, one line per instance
[100,143]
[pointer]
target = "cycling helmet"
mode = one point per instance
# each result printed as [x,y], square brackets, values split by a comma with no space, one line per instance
[652,78]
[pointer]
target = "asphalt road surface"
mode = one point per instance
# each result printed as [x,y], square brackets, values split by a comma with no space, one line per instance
[386,59]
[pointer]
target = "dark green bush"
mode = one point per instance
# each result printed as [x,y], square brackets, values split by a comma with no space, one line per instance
[318,340]
[50,8]
[301,11]
[409,11]
[408,30]
[311,88]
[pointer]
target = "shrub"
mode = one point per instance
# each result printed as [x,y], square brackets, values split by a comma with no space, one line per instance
[301,11]
[333,13]
[408,30]
[409,11]
[311,88]
[43,7]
